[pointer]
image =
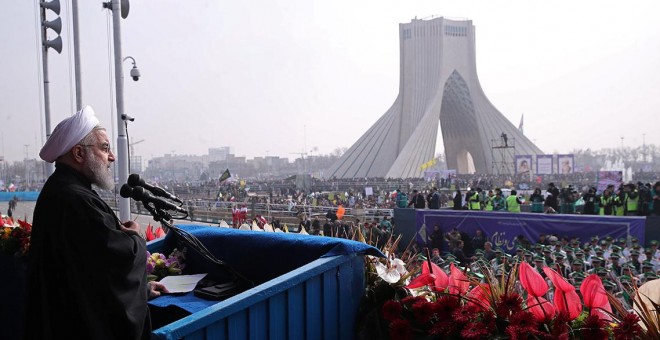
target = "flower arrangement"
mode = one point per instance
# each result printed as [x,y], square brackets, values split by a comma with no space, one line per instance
[159,266]
[15,238]
[520,304]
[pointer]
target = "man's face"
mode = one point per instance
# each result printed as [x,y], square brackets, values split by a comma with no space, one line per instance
[98,157]
[436,253]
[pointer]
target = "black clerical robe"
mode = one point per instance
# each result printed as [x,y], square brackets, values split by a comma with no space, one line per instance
[86,277]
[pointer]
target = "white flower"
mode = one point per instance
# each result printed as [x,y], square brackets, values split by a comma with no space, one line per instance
[388,274]
[400,266]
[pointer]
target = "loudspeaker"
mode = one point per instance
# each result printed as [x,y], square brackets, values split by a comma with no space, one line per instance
[52,5]
[55,44]
[125,7]
[55,25]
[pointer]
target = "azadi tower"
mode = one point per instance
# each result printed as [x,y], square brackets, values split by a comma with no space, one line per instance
[438,81]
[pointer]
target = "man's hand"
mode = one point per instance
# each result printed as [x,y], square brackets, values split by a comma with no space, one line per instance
[154,289]
[131,227]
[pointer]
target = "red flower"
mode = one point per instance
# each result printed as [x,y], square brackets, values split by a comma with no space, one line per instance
[560,326]
[25,225]
[594,328]
[541,308]
[445,306]
[410,300]
[445,328]
[401,329]
[441,278]
[523,320]
[423,311]
[488,319]
[508,304]
[628,328]
[516,333]
[474,331]
[391,310]
[464,314]
[458,282]
[595,297]
[531,280]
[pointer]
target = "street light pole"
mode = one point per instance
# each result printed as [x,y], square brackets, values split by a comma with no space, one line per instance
[122,146]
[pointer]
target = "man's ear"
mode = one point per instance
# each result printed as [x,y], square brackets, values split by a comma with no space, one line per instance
[78,154]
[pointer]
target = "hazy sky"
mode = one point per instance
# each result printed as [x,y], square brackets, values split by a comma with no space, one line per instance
[279,77]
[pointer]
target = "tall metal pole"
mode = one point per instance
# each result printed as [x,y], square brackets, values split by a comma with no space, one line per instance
[122,147]
[76,53]
[50,167]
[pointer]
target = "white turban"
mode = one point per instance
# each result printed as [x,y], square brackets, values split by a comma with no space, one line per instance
[68,133]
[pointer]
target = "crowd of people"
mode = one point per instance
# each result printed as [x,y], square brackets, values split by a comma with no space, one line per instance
[625,200]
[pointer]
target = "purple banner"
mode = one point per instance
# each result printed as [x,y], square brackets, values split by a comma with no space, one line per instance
[502,228]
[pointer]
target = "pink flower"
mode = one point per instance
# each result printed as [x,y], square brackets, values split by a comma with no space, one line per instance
[557,280]
[541,308]
[441,278]
[531,280]
[566,299]
[568,302]
[479,297]
[595,297]
[458,282]
[422,280]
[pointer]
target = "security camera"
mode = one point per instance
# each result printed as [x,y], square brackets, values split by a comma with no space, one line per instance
[135,73]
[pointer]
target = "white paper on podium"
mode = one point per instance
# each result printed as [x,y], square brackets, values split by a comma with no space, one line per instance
[181,283]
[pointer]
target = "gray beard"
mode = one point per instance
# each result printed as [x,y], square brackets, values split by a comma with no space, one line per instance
[98,173]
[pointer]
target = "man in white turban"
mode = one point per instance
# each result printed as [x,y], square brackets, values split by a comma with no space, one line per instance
[87,270]
[68,143]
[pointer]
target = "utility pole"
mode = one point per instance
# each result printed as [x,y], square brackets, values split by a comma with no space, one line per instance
[56,44]
[25,164]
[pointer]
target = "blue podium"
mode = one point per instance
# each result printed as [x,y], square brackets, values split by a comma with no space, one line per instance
[306,287]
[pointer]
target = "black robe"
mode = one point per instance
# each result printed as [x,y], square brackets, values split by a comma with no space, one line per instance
[86,277]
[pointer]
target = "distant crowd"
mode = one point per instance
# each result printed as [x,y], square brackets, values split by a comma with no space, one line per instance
[625,200]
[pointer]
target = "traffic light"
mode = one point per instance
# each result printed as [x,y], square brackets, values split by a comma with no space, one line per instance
[55,25]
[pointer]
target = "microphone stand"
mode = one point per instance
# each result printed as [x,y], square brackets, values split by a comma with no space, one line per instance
[239,282]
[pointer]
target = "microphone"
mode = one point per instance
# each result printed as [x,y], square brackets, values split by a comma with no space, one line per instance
[134,180]
[138,193]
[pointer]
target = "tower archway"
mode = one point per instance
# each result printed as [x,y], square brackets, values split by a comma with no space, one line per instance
[438,81]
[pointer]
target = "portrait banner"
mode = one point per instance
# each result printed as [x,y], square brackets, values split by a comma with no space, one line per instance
[523,165]
[544,164]
[565,164]
[606,178]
